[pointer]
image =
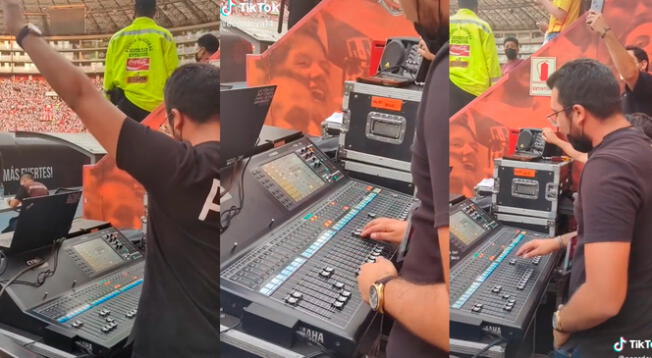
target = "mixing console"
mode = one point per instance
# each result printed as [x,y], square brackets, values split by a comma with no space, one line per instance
[91,300]
[306,267]
[492,289]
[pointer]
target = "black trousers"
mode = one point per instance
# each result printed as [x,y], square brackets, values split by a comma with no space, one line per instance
[131,110]
[459,98]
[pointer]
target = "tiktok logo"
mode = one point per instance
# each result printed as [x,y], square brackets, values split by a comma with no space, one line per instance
[619,346]
[227,9]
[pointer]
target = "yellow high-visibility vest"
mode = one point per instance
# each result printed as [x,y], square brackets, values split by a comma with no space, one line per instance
[474,65]
[139,60]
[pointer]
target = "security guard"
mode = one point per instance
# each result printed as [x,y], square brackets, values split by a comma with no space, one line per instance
[139,60]
[474,65]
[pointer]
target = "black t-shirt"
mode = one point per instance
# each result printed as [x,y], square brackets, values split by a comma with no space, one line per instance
[423,264]
[638,99]
[178,313]
[615,205]
[33,190]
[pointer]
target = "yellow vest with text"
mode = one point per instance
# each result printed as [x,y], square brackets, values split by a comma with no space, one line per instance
[139,60]
[474,62]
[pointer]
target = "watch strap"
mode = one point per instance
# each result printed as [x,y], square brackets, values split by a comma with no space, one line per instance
[22,34]
[386,279]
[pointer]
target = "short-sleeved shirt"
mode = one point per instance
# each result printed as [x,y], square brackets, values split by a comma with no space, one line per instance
[638,99]
[178,313]
[615,205]
[510,65]
[423,263]
[572,8]
[31,191]
[474,64]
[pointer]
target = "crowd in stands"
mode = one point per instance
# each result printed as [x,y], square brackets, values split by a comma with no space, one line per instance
[30,105]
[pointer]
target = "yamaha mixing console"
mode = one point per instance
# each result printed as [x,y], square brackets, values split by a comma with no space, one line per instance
[90,302]
[492,289]
[305,267]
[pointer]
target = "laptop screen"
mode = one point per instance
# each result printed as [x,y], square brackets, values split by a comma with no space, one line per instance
[43,220]
[243,112]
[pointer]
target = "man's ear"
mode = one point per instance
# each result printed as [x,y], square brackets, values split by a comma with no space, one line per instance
[581,114]
[178,120]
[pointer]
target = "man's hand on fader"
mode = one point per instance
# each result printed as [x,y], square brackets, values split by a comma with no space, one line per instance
[14,16]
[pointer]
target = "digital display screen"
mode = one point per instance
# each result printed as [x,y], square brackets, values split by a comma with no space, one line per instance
[525,189]
[464,228]
[385,129]
[294,176]
[98,255]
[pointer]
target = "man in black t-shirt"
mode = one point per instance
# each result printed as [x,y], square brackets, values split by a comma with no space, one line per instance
[178,311]
[632,64]
[418,298]
[611,278]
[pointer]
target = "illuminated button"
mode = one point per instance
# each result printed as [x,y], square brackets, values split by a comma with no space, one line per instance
[342,299]
[338,305]
[338,285]
[291,300]
[372,215]
[77,324]
[346,293]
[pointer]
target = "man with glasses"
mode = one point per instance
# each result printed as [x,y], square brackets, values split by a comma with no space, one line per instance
[611,279]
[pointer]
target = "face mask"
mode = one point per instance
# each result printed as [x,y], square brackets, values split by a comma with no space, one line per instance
[510,53]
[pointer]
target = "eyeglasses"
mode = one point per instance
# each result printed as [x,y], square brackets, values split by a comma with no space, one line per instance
[553,117]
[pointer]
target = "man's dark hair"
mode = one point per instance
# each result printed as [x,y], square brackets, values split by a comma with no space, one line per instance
[640,55]
[642,121]
[511,39]
[146,8]
[209,42]
[588,83]
[194,89]
[468,4]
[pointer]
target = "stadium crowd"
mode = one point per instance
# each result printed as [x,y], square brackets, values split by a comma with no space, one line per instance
[26,106]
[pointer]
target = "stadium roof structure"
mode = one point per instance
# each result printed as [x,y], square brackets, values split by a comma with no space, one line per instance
[509,15]
[108,16]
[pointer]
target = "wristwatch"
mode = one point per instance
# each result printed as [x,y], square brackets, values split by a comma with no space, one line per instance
[27,30]
[376,294]
[556,325]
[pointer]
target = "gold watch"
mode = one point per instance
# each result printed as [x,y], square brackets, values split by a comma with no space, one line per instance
[377,294]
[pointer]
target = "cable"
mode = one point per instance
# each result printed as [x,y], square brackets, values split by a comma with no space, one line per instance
[41,276]
[227,216]
[495,342]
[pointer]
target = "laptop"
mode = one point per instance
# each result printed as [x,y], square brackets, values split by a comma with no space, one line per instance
[243,113]
[41,221]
